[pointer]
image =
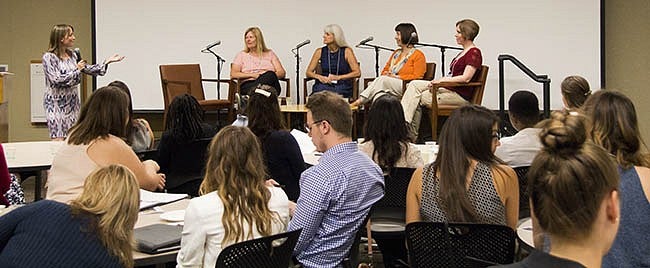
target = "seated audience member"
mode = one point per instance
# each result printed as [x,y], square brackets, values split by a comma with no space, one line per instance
[183,146]
[575,91]
[96,140]
[406,63]
[282,156]
[5,179]
[466,182]
[573,195]
[256,64]
[337,193]
[235,204]
[138,132]
[94,230]
[520,150]
[615,128]
[387,139]
[387,142]
[465,67]
[339,67]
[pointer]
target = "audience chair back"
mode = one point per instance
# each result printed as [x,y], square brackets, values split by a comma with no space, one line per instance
[478,88]
[393,204]
[438,244]
[524,205]
[319,70]
[272,251]
[178,79]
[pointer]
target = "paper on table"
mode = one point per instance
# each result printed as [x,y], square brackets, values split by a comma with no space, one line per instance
[304,141]
[150,199]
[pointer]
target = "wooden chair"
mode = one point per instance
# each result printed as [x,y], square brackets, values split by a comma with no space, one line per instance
[236,84]
[435,110]
[355,85]
[428,75]
[178,79]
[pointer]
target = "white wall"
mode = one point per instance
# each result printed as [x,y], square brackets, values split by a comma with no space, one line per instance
[553,37]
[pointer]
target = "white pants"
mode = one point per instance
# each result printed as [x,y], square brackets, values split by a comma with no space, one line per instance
[418,94]
[380,86]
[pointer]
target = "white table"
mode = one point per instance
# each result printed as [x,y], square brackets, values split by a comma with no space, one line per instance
[428,152]
[525,232]
[31,156]
[149,217]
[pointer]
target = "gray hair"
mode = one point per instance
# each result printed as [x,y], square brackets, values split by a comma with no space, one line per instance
[339,37]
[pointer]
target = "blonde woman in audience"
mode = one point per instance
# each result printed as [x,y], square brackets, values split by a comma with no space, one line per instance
[615,128]
[573,196]
[235,204]
[466,182]
[94,230]
[575,91]
[96,140]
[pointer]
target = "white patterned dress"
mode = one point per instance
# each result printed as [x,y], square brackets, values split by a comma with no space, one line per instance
[61,100]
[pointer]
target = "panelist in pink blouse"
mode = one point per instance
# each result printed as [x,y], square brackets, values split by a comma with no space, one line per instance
[256,64]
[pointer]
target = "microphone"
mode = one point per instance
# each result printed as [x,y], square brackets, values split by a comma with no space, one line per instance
[364,41]
[304,43]
[413,35]
[218,42]
[78,54]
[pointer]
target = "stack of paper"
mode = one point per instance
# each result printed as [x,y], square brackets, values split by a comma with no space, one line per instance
[150,199]
[304,141]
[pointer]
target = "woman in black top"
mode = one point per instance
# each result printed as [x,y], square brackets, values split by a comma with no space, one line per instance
[284,161]
[181,152]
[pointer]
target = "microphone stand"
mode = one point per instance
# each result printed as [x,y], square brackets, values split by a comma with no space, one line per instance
[220,62]
[296,53]
[442,53]
[377,48]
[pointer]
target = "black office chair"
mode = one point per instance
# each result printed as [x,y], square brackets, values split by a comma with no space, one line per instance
[261,252]
[439,244]
[387,220]
[524,206]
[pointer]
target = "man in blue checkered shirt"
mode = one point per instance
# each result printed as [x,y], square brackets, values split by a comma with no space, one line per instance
[337,193]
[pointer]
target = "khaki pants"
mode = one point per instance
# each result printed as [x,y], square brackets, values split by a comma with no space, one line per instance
[417,94]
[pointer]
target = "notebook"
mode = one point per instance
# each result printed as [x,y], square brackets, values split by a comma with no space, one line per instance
[150,199]
[158,238]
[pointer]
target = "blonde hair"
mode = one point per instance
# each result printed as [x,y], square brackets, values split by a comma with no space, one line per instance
[111,195]
[235,170]
[260,45]
[59,32]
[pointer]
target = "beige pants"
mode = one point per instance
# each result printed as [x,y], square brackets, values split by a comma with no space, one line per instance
[380,86]
[418,94]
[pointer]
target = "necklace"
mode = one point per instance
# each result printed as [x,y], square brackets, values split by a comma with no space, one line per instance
[338,61]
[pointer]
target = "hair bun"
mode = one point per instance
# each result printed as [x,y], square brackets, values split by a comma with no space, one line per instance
[563,133]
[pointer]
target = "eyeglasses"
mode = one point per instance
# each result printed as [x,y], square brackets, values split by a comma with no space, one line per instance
[497,135]
[308,126]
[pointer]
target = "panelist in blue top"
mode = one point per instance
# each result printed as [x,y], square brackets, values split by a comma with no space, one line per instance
[338,65]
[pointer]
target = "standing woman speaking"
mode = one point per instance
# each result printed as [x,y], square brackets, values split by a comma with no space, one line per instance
[63,68]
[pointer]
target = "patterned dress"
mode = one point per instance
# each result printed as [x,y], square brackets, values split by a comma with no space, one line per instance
[61,100]
[482,195]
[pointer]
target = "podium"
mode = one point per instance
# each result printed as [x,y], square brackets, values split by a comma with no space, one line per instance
[5,88]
